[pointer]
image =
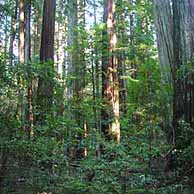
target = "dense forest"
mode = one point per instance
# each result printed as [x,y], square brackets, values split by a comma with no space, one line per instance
[96,96]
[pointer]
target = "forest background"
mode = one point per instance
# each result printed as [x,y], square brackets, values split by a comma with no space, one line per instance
[96,96]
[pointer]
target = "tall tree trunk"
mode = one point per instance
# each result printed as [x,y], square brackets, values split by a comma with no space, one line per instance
[36,29]
[72,34]
[72,22]
[13,32]
[81,70]
[175,32]
[21,57]
[76,68]
[60,50]
[30,115]
[48,30]
[96,73]
[183,48]
[45,84]
[110,82]
[164,30]
[21,31]
[27,31]
[123,92]
[60,36]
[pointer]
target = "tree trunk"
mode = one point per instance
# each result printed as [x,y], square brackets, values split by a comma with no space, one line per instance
[27,31]
[183,48]
[30,115]
[13,32]
[175,37]
[45,85]
[71,38]
[164,30]
[96,74]
[21,31]
[36,30]
[123,92]
[110,82]
[21,57]
[48,30]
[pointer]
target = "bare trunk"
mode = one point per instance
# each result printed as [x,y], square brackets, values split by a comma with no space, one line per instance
[13,33]
[72,23]
[45,85]
[110,82]
[27,60]
[22,31]
[80,72]
[21,57]
[36,30]
[96,76]
[123,92]
[175,32]
[183,48]
[60,50]
[164,30]
[27,31]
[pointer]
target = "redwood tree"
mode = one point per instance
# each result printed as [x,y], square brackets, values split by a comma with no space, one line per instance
[21,30]
[13,31]
[45,85]
[175,32]
[183,99]
[110,82]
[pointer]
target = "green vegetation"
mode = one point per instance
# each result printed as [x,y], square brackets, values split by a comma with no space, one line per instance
[89,103]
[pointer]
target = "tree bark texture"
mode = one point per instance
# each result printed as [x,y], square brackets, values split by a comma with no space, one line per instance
[21,30]
[175,37]
[183,32]
[110,82]
[45,85]
[13,32]
[164,31]
[123,92]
